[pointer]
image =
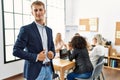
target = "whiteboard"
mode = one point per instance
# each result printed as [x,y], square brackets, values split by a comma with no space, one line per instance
[70,31]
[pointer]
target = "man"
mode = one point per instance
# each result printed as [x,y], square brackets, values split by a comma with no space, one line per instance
[35,45]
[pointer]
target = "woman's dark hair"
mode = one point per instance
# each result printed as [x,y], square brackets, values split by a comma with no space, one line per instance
[78,42]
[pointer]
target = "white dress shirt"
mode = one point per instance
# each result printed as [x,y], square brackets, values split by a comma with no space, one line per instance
[43,35]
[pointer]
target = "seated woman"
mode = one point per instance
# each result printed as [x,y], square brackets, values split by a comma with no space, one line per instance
[83,66]
[98,49]
[59,43]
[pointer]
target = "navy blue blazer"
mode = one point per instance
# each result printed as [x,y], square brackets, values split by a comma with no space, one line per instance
[28,45]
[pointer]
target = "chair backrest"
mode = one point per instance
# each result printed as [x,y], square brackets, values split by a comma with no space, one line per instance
[100,59]
[98,69]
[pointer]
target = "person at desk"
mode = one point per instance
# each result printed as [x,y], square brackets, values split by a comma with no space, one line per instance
[97,49]
[59,43]
[77,34]
[70,49]
[83,66]
[35,45]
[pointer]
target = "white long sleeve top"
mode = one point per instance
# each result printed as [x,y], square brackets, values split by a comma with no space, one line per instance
[97,51]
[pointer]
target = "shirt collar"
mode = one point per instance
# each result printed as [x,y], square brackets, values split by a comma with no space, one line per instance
[39,25]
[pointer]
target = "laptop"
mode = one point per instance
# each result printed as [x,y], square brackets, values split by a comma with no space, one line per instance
[63,54]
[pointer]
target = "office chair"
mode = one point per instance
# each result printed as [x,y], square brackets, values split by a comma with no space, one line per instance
[101,58]
[56,76]
[96,72]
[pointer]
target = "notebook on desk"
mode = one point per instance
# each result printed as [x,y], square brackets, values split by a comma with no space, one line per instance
[63,54]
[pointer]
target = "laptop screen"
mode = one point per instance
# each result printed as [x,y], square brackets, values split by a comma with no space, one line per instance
[63,54]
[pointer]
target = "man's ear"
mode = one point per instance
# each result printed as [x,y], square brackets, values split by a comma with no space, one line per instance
[45,12]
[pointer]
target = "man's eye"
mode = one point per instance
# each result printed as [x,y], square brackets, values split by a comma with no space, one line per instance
[35,10]
[40,9]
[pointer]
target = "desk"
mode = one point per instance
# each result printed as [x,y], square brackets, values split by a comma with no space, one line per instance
[62,65]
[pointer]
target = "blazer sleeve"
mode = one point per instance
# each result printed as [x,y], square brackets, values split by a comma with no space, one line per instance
[20,44]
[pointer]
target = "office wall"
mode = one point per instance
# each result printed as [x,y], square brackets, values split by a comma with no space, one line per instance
[69,12]
[9,69]
[108,12]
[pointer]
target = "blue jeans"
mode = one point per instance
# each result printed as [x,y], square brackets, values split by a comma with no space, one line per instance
[45,73]
[72,75]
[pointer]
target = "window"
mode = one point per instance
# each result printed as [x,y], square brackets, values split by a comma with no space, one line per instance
[16,13]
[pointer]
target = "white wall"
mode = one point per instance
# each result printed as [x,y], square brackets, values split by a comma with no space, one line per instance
[108,12]
[10,69]
[69,13]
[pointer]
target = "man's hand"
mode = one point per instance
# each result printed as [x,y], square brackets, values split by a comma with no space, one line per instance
[41,56]
[50,55]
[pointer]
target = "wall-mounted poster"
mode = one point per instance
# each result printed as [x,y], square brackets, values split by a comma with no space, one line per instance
[88,24]
[117,34]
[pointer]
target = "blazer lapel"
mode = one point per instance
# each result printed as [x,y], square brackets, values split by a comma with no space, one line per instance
[35,29]
[48,35]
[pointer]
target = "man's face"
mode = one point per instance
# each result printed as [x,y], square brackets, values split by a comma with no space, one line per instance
[38,12]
